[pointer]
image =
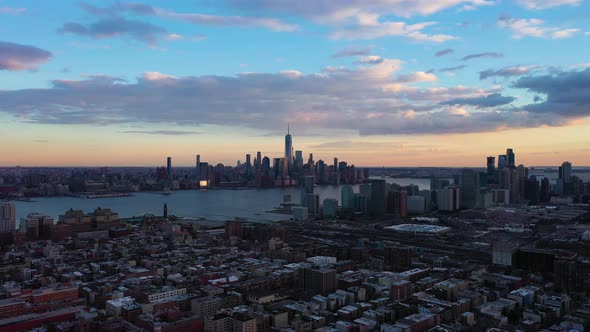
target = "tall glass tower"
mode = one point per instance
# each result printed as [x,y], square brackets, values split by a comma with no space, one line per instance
[289,150]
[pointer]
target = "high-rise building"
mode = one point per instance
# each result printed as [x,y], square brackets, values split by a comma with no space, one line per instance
[505,178]
[470,189]
[545,192]
[347,197]
[299,158]
[7,217]
[502,162]
[289,150]
[510,158]
[397,203]
[566,172]
[365,190]
[448,199]
[330,208]
[312,203]
[198,167]
[377,201]
[491,166]
[532,192]
[360,203]
[266,166]
[169,166]
[258,158]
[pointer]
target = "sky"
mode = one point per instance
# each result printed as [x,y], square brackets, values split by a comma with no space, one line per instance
[373,82]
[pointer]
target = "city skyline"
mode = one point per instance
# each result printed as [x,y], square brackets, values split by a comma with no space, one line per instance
[380,83]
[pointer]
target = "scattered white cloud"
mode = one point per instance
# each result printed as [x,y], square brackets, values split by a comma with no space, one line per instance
[533,27]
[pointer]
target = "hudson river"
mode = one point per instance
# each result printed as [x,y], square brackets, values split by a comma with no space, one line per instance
[213,205]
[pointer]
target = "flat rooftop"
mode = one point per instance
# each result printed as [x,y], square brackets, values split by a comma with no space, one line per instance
[418,228]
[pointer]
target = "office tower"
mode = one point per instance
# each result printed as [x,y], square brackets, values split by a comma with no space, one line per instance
[276,166]
[289,150]
[360,203]
[416,204]
[491,166]
[335,164]
[514,186]
[299,158]
[258,160]
[330,208]
[377,200]
[396,257]
[532,192]
[347,197]
[565,172]
[545,192]
[198,167]
[470,189]
[505,178]
[310,160]
[448,199]
[7,217]
[308,183]
[322,172]
[501,196]
[397,203]
[523,174]
[428,199]
[312,203]
[266,166]
[365,190]
[169,166]
[510,158]
[322,280]
[502,161]
[248,161]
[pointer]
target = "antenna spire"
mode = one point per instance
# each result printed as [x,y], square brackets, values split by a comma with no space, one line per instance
[288,128]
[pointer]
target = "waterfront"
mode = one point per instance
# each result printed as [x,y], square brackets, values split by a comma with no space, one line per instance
[213,205]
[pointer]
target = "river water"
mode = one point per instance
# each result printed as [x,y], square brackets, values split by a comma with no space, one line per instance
[214,204]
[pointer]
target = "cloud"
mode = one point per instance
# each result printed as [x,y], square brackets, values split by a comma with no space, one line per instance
[369,99]
[567,93]
[12,10]
[162,132]
[506,72]
[21,57]
[331,11]
[444,52]
[352,51]
[194,18]
[369,27]
[369,59]
[545,4]
[483,55]
[451,69]
[416,77]
[492,100]
[534,28]
[117,27]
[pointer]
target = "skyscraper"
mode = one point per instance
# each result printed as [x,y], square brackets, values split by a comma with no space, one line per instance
[289,150]
[566,172]
[510,158]
[198,167]
[502,161]
[491,169]
[470,189]
[7,217]
[377,200]
[169,166]
[347,196]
